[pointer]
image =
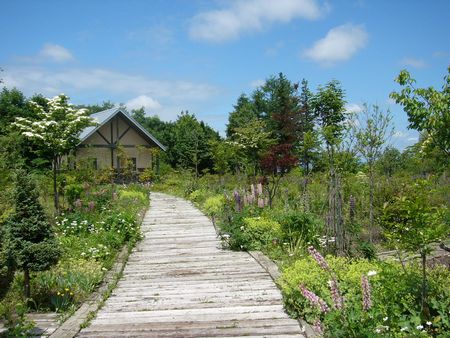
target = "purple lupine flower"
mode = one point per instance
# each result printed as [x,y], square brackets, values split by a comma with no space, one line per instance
[318,327]
[237,198]
[314,299]
[91,206]
[365,287]
[336,294]
[319,258]
[252,187]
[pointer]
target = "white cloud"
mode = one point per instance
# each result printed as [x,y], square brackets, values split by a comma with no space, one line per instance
[55,53]
[413,139]
[257,83]
[440,54]
[353,108]
[248,16]
[149,104]
[413,62]
[400,134]
[51,82]
[340,44]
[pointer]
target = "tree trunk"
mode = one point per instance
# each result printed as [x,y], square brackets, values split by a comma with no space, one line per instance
[26,277]
[424,278]
[371,203]
[55,184]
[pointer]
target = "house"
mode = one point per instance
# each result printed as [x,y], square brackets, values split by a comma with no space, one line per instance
[117,140]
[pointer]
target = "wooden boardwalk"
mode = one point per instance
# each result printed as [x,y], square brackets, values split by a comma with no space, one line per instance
[178,282]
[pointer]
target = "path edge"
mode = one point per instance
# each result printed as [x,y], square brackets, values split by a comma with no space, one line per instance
[272,269]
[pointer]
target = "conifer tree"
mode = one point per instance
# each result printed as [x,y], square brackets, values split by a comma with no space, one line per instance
[31,242]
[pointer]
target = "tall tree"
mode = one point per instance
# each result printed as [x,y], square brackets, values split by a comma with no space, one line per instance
[244,112]
[55,131]
[277,103]
[371,131]
[252,141]
[31,242]
[96,108]
[307,136]
[191,147]
[428,111]
[329,106]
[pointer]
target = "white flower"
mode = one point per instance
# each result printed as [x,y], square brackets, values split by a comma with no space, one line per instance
[429,323]
[404,328]
[371,273]
[419,327]
[385,318]
[242,227]
[378,330]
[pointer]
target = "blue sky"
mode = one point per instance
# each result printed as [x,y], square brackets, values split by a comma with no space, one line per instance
[201,55]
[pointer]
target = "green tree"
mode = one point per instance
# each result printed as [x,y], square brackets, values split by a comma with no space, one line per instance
[411,223]
[308,142]
[390,161]
[428,111]
[328,105]
[96,108]
[276,102]
[371,131]
[31,242]
[244,112]
[191,147]
[12,104]
[252,141]
[223,155]
[55,131]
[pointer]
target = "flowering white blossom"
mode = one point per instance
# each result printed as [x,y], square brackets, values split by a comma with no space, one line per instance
[429,323]
[419,327]
[371,273]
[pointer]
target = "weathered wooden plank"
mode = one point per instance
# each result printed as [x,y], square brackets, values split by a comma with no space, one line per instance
[180,283]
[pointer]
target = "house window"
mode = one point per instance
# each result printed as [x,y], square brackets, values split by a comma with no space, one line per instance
[127,163]
[93,163]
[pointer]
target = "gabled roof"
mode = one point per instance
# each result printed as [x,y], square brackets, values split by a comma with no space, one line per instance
[103,117]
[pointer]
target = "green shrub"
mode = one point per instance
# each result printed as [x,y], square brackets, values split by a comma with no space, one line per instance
[261,231]
[297,224]
[131,196]
[214,205]
[73,192]
[148,175]
[198,196]
[395,296]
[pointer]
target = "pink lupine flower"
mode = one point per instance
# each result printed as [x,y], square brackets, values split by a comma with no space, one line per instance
[365,287]
[319,258]
[260,202]
[78,203]
[318,327]
[259,189]
[314,299]
[252,187]
[336,294]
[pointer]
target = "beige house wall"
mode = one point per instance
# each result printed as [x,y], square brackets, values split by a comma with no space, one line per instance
[132,143]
